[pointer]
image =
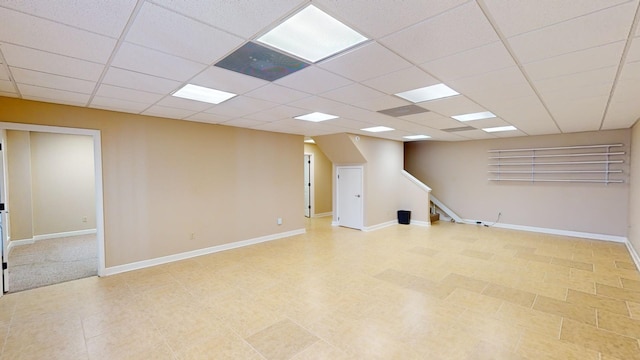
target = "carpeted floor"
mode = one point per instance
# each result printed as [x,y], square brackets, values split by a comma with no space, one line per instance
[52,261]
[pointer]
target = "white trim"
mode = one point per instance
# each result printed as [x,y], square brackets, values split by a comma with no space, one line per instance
[420,223]
[335,223]
[190,254]
[633,253]
[579,234]
[14,243]
[415,180]
[97,163]
[380,226]
[64,234]
[330,213]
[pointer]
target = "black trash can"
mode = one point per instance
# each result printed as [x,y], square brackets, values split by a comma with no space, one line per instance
[404,217]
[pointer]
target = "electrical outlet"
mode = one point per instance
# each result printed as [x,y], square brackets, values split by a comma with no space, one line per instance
[84,219]
[279,221]
[193,236]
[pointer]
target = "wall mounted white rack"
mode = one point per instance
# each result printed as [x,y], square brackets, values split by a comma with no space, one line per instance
[580,164]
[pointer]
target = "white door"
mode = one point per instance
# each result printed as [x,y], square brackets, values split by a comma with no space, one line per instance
[307,185]
[349,192]
[4,215]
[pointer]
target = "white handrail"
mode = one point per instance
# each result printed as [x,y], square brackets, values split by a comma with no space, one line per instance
[416,181]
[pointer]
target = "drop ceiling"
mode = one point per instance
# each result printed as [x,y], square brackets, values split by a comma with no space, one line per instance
[545,66]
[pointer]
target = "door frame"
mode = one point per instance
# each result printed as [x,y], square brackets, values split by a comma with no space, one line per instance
[337,192]
[97,163]
[312,210]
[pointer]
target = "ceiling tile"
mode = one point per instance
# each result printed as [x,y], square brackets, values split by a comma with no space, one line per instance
[22,57]
[357,65]
[485,123]
[109,103]
[583,114]
[152,62]
[186,104]
[3,73]
[453,105]
[353,93]
[207,118]
[158,28]
[102,17]
[476,134]
[116,92]
[313,80]
[20,29]
[433,120]
[576,62]
[241,106]
[276,113]
[621,115]
[486,58]
[226,80]
[596,29]
[316,103]
[634,50]
[402,80]
[386,17]
[6,86]
[586,91]
[381,103]
[577,81]
[277,94]
[518,16]
[246,123]
[168,112]
[52,95]
[509,134]
[460,29]
[36,78]
[527,114]
[500,84]
[254,15]
[137,81]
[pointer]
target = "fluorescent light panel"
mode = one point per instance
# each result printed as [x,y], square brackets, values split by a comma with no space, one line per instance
[316,117]
[313,35]
[204,94]
[377,129]
[500,128]
[432,92]
[309,141]
[474,116]
[416,137]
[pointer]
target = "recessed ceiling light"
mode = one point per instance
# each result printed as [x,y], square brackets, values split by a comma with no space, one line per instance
[312,34]
[416,137]
[500,128]
[377,129]
[316,117]
[432,92]
[204,94]
[474,116]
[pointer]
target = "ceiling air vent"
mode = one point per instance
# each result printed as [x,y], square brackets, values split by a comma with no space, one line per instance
[403,110]
[456,129]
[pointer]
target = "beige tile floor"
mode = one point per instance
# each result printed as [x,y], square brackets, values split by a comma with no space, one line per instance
[448,291]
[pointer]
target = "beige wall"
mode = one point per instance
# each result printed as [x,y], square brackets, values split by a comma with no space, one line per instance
[63,183]
[457,174]
[166,179]
[386,190]
[634,191]
[322,177]
[18,149]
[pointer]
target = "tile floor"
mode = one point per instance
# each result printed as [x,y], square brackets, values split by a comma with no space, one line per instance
[448,291]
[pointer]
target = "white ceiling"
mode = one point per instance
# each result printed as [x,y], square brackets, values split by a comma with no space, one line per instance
[543,66]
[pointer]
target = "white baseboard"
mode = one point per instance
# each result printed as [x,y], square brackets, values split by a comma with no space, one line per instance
[579,234]
[335,223]
[420,223]
[330,213]
[64,234]
[21,242]
[634,254]
[379,226]
[190,254]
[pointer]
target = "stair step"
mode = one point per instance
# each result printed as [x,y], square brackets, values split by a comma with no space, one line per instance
[434,217]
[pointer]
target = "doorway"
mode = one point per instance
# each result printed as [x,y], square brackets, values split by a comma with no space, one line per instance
[55,242]
[350,200]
